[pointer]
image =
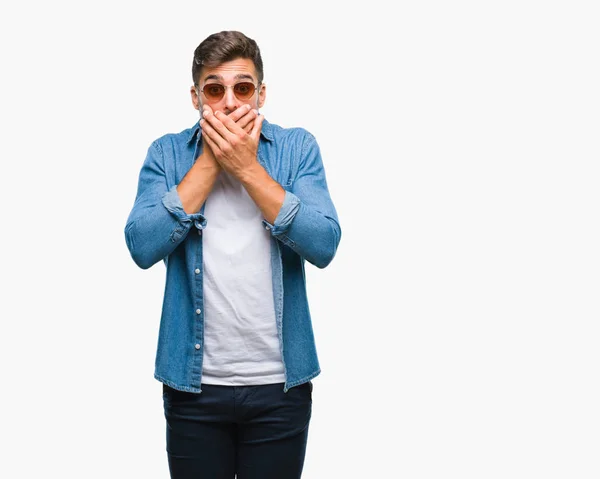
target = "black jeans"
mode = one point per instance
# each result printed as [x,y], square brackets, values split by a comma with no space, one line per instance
[256,432]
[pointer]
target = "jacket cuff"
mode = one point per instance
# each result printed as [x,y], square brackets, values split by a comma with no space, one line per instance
[172,203]
[287,213]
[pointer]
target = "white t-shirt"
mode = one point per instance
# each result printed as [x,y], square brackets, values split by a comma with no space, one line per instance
[241,345]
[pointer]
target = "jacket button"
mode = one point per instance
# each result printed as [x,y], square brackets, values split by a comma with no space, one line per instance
[197,271]
[198,311]
[197,346]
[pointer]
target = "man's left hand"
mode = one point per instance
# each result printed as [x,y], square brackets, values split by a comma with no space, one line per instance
[234,148]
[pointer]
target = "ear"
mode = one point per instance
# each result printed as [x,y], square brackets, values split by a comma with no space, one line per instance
[195,99]
[262,96]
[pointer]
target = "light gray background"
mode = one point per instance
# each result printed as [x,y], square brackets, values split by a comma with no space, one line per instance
[457,328]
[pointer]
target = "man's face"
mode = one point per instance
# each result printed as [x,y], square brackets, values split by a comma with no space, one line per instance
[228,75]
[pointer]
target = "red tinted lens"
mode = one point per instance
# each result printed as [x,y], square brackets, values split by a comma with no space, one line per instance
[213,91]
[244,90]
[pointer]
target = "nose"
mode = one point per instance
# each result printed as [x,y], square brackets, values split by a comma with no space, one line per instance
[231,102]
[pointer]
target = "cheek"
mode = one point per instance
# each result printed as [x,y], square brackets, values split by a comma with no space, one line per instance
[196,100]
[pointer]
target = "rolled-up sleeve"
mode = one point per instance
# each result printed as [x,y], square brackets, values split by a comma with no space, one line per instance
[157,223]
[307,221]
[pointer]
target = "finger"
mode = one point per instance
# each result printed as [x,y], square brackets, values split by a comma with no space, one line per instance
[211,120]
[240,112]
[247,119]
[215,120]
[227,128]
[206,108]
[215,137]
[211,144]
[255,133]
[248,127]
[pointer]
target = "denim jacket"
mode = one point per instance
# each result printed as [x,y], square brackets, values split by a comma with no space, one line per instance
[306,228]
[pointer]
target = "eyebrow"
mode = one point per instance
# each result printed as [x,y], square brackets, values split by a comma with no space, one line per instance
[239,76]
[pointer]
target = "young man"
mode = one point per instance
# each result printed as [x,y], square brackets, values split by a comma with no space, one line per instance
[234,206]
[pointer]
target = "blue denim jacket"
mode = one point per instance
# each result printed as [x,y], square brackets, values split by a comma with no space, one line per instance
[306,228]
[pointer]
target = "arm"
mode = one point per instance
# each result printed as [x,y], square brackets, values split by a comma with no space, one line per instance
[198,182]
[305,218]
[264,190]
[307,221]
[158,222]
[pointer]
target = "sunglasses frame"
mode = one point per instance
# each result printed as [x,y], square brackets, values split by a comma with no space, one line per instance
[225,87]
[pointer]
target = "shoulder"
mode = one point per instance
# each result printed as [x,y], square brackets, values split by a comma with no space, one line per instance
[179,139]
[292,135]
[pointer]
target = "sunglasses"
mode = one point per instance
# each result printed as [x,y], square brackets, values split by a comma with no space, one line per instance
[242,90]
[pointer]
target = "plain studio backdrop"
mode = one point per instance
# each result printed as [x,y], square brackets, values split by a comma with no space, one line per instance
[457,327]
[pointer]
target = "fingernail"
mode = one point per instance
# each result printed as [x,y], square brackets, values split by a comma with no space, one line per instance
[206,113]
[256,111]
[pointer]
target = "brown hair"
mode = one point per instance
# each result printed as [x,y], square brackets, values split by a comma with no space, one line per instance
[223,47]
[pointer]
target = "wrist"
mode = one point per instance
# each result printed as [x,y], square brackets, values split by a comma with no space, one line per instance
[207,161]
[251,173]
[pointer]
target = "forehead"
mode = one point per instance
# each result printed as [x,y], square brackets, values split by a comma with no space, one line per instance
[240,68]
